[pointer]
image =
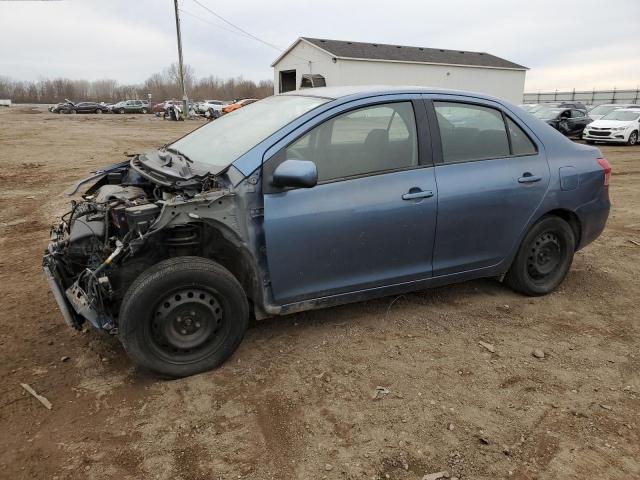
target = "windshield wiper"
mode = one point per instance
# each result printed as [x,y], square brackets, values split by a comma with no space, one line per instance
[175,150]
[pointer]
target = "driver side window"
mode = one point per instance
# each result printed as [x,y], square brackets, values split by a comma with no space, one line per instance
[360,142]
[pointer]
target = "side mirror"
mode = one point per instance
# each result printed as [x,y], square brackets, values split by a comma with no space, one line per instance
[295,173]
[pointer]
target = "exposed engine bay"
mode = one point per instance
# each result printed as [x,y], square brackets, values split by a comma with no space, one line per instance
[155,206]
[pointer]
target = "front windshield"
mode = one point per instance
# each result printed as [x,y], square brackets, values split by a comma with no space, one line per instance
[603,109]
[546,113]
[621,115]
[224,140]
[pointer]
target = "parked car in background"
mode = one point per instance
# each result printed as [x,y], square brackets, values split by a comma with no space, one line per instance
[318,198]
[239,104]
[529,107]
[617,126]
[210,106]
[63,107]
[599,111]
[131,106]
[213,108]
[90,107]
[568,121]
[567,104]
[162,106]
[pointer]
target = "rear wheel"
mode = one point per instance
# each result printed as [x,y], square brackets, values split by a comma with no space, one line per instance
[144,110]
[121,110]
[183,316]
[544,257]
[633,138]
[98,110]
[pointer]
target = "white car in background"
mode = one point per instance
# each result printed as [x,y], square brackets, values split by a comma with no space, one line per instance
[619,126]
[599,111]
[213,107]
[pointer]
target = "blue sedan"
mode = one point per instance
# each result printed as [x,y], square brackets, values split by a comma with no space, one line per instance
[315,198]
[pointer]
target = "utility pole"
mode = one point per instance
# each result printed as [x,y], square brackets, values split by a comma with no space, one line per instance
[185,100]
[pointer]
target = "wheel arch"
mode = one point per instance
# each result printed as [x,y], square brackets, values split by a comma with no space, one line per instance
[568,216]
[221,244]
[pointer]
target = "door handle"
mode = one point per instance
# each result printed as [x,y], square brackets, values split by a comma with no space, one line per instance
[412,195]
[529,178]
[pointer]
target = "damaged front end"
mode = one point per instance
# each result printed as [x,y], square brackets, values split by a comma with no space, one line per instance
[155,206]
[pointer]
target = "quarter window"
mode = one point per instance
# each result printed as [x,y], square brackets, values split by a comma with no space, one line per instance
[521,144]
[364,141]
[470,132]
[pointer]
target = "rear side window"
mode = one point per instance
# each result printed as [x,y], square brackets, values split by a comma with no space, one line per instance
[521,144]
[360,142]
[471,132]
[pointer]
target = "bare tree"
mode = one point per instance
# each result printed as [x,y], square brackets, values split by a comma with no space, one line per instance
[162,86]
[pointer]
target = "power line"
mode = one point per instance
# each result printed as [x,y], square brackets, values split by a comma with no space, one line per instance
[244,33]
[235,32]
[238,28]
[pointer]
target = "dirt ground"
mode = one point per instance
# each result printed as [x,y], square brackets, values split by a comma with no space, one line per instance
[296,400]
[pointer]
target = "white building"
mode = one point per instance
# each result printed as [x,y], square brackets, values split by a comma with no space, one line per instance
[318,62]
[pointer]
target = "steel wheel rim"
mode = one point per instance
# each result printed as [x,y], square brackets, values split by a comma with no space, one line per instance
[187,325]
[545,256]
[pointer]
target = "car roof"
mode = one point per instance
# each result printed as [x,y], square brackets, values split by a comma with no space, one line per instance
[335,93]
[619,105]
[633,110]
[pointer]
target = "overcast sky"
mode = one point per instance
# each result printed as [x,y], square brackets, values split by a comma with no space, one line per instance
[584,44]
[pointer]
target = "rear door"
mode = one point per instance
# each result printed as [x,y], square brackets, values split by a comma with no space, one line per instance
[491,174]
[370,220]
[578,121]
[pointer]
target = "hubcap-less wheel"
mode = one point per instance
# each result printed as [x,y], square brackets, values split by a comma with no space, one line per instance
[545,256]
[187,325]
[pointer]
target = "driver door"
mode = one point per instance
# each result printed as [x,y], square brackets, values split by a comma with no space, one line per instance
[370,220]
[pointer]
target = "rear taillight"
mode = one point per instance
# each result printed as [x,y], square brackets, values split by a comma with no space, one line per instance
[606,166]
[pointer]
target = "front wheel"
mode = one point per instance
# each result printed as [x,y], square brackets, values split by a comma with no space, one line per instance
[99,110]
[121,111]
[144,110]
[183,316]
[633,138]
[544,257]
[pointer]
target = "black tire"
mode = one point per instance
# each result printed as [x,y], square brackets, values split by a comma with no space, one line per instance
[633,138]
[73,111]
[544,257]
[121,110]
[144,110]
[98,110]
[183,316]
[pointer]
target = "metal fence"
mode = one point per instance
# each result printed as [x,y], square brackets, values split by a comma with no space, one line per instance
[591,97]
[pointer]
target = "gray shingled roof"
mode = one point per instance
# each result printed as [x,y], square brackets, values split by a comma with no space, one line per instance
[401,53]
